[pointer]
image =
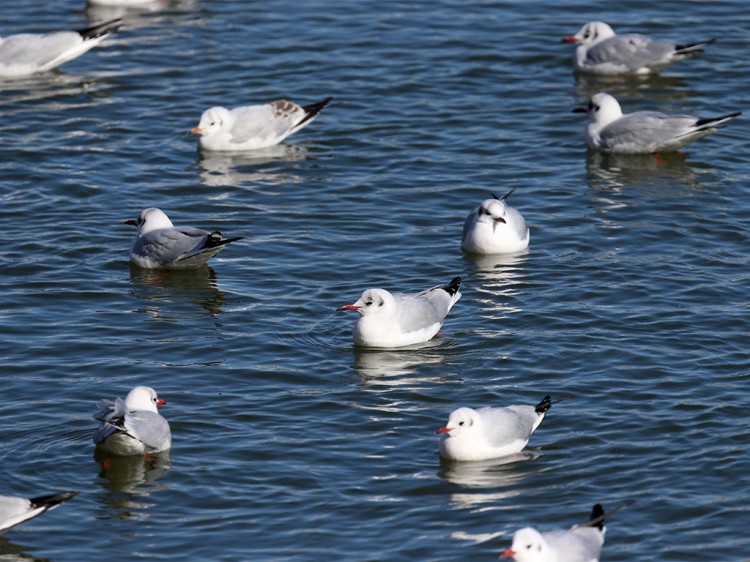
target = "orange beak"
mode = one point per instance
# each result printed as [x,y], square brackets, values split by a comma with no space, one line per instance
[509,553]
[444,430]
[348,307]
[568,39]
[160,402]
[195,131]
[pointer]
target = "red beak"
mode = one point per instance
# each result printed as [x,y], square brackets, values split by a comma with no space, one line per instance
[348,307]
[444,430]
[131,222]
[568,39]
[160,402]
[509,553]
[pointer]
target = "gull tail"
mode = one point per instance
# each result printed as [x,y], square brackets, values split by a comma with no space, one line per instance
[100,30]
[503,197]
[544,405]
[691,47]
[312,110]
[454,285]
[710,122]
[49,502]
[215,240]
[598,517]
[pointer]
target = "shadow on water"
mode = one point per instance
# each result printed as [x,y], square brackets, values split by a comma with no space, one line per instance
[195,287]
[127,474]
[243,169]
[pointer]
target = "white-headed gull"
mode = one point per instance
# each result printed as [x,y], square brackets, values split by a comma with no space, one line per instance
[15,510]
[253,126]
[132,426]
[397,319]
[160,244]
[488,433]
[495,227]
[609,130]
[580,543]
[28,53]
[601,51]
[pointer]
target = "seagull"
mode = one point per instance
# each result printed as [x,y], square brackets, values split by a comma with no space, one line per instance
[580,543]
[15,510]
[601,51]
[495,227]
[253,126]
[395,319]
[160,244]
[29,53]
[132,426]
[488,433]
[643,131]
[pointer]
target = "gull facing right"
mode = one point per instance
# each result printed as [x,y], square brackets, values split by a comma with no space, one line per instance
[494,227]
[642,132]
[15,510]
[395,319]
[488,433]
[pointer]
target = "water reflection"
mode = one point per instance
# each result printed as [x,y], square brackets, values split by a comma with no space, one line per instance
[126,474]
[650,86]
[496,280]
[387,366]
[235,170]
[11,552]
[196,287]
[97,14]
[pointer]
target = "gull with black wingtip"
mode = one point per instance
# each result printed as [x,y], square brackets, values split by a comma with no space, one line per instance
[494,227]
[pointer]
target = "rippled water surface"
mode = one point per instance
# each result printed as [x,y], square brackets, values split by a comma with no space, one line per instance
[289,444]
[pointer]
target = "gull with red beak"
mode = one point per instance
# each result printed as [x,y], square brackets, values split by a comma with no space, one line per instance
[132,426]
[391,320]
[488,433]
[494,227]
[601,51]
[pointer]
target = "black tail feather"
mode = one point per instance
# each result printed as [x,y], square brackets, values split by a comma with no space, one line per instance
[544,405]
[215,240]
[712,121]
[101,29]
[452,287]
[691,47]
[313,109]
[54,500]
[596,519]
[503,197]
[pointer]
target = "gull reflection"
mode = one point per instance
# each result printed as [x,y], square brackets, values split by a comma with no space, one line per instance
[496,279]
[631,87]
[126,474]
[12,552]
[258,166]
[97,13]
[387,366]
[196,287]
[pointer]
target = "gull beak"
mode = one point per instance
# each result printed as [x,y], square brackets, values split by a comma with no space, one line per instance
[195,131]
[160,402]
[349,307]
[444,430]
[569,39]
[131,222]
[509,553]
[580,110]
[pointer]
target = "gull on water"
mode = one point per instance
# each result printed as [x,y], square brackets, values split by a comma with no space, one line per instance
[29,53]
[132,426]
[253,126]
[160,244]
[488,433]
[15,510]
[580,543]
[601,51]
[609,130]
[396,319]
[494,227]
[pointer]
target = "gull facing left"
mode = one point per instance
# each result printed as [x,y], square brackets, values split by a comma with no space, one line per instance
[15,510]
[29,53]
[253,127]
[133,426]
[396,319]
[488,433]
[160,244]
[494,227]
[642,132]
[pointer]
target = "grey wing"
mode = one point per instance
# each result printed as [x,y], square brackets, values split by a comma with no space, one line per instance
[508,424]
[269,121]
[111,419]
[644,128]
[518,222]
[469,222]
[38,50]
[168,245]
[149,427]
[422,310]
[631,50]
[576,546]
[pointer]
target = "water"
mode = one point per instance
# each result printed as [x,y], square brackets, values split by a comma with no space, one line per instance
[288,443]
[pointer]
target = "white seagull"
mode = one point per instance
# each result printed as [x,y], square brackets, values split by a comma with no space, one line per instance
[253,126]
[488,433]
[15,510]
[601,51]
[609,130]
[29,53]
[580,543]
[160,244]
[132,426]
[396,319]
[495,227]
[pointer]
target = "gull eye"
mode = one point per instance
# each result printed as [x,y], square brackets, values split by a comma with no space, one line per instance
[460,423]
[528,547]
[368,303]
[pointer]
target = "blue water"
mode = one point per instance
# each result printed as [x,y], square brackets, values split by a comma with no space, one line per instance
[289,444]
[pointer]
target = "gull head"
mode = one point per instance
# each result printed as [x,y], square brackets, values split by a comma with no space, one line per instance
[150,219]
[213,120]
[603,109]
[461,422]
[492,212]
[372,301]
[590,33]
[143,398]
[528,546]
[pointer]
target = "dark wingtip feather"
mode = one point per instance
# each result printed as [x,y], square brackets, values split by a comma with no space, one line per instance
[504,197]
[54,500]
[692,47]
[712,121]
[452,287]
[100,29]
[596,519]
[313,109]
[215,240]
[544,405]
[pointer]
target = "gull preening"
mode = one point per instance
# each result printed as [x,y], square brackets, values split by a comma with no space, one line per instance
[29,53]
[397,319]
[601,51]
[609,130]
[494,227]
[15,510]
[132,426]
[160,244]
[253,127]
[580,543]
[488,433]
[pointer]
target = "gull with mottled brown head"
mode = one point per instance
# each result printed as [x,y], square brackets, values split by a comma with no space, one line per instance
[253,127]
